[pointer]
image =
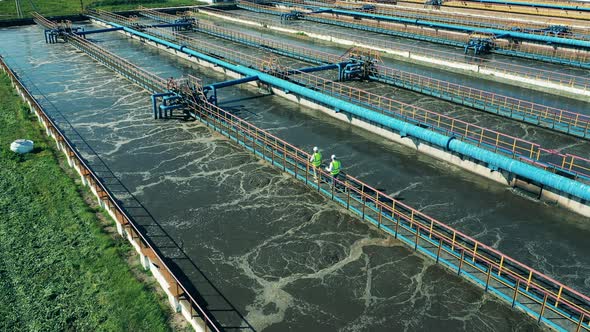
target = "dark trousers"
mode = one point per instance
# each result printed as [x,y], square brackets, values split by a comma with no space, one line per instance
[338,176]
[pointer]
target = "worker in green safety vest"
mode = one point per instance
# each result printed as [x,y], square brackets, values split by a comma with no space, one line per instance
[334,168]
[316,161]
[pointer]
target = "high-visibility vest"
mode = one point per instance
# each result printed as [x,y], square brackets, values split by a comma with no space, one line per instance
[335,167]
[317,159]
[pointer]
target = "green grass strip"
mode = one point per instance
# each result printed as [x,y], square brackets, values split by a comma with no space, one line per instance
[71,7]
[59,270]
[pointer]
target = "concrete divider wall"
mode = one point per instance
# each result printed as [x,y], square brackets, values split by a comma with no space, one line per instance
[149,259]
[468,164]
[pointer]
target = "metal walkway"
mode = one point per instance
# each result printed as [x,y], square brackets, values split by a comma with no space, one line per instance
[543,298]
[568,57]
[571,123]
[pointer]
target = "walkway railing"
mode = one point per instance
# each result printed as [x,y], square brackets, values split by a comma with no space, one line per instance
[498,68]
[563,121]
[43,21]
[123,20]
[139,76]
[577,167]
[555,119]
[538,295]
[156,15]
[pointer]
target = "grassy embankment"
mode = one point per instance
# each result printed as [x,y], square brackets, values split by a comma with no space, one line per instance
[59,268]
[70,7]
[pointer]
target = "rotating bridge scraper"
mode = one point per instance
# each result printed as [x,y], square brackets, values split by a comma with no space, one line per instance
[362,64]
[480,43]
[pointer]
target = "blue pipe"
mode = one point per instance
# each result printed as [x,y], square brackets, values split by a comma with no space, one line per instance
[463,28]
[97,31]
[319,11]
[231,82]
[513,34]
[213,87]
[168,25]
[533,4]
[171,97]
[517,167]
[155,97]
[320,68]
[169,108]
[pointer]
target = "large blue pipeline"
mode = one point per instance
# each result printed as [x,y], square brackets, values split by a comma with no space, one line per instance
[164,25]
[463,28]
[514,166]
[534,4]
[89,32]
[225,84]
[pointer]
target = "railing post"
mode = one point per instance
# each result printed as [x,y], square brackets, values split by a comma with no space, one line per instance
[579,326]
[272,156]
[363,199]
[380,215]
[515,292]
[558,295]
[440,243]
[489,275]
[542,311]
[284,156]
[501,263]
[528,283]
[461,261]
[348,198]
[296,163]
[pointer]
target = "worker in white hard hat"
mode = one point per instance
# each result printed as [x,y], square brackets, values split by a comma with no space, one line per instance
[316,161]
[334,168]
